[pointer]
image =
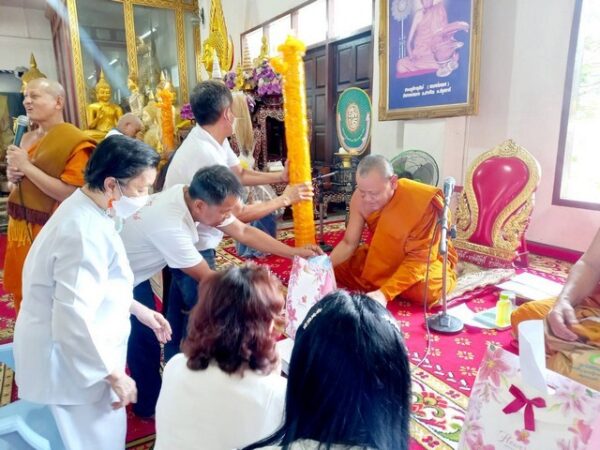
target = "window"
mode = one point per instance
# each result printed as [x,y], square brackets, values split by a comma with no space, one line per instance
[351,15]
[312,22]
[577,182]
[254,41]
[278,31]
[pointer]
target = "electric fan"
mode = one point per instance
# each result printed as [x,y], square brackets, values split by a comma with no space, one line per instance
[416,165]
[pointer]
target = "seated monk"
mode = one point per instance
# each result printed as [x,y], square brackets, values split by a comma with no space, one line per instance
[402,216]
[575,316]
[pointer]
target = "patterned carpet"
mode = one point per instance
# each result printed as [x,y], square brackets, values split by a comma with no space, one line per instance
[441,382]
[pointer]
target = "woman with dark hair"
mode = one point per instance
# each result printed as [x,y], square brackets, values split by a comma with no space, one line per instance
[225,390]
[71,334]
[349,380]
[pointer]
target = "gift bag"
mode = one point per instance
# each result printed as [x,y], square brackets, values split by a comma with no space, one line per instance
[310,280]
[517,404]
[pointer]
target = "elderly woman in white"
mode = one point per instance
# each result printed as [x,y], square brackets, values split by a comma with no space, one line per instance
[71,334]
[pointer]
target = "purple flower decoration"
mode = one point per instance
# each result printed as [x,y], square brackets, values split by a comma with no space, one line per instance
[186,112]
[267,81]
[230,79]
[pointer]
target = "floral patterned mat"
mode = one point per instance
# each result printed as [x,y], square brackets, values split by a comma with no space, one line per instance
[444,367]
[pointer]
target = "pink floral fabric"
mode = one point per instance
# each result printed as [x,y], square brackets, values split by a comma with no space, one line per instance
[310,280]
[569,421]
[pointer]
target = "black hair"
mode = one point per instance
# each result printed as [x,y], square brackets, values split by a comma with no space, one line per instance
[208,101]
[349,378]
[213,184]
[120,157]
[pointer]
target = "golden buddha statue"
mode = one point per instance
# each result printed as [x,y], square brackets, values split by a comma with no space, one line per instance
[102,115]
[264,51]
[32,74]
[136,99]
[152,123]
[165,83]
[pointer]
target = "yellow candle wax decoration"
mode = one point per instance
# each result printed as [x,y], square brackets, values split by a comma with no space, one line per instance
[291,66]
[166,118]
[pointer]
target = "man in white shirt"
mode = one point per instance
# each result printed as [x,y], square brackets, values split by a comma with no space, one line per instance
[128,125]
[207,144]
[170,230]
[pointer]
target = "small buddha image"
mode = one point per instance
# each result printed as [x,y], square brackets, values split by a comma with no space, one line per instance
[136,99]
[102,115]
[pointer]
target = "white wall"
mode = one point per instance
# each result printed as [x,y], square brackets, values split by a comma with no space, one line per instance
[23,31]
[523,66]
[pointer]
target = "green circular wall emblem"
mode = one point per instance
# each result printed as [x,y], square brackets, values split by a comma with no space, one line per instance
[353,120]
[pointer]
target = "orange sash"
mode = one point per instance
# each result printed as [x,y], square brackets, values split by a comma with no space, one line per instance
[394,223]
[51,156]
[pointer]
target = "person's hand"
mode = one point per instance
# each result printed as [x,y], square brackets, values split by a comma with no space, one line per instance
[125,388]
[378,296]
[17,158]
[285,175]
[156,322]
[308,250]
[298,192]
[14,175]
[561,318]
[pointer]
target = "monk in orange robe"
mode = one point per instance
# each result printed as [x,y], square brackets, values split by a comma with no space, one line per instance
[44,170]
[402,216]
[575,315]
[572,321]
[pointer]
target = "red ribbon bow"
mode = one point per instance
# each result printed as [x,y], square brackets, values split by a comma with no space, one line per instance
[520,401]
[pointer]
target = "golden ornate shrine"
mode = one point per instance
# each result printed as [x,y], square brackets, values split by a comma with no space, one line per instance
[112,35]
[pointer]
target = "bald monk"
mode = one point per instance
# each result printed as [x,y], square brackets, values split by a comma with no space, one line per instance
[575,315]
[401,215]
[44,170]
[128,125]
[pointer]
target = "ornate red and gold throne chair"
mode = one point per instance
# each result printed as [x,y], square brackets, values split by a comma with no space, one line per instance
[495,206]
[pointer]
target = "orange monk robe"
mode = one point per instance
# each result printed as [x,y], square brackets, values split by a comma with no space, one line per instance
[587,313]
[18,239]
[396,259]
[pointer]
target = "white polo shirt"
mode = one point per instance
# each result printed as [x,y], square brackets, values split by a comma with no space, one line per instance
[198,150]
[159,234]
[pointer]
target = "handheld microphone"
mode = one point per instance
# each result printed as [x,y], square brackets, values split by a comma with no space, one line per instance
[448,189]
[22,124]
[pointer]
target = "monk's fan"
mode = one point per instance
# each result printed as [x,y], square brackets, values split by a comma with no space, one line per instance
[291,66]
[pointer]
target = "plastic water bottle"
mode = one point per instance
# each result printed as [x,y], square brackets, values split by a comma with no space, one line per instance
[503,310]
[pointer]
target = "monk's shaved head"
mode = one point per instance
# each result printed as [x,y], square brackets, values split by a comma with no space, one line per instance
[378,163]
[129,124]
[54,88]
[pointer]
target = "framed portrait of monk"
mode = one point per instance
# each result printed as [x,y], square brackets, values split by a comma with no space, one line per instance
[429,53]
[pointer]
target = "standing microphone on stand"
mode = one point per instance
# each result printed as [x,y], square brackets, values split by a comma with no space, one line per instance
[444,322]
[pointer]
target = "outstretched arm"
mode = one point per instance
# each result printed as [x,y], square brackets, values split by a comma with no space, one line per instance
[351,239]
[250,177]
[582,281]
[253,237]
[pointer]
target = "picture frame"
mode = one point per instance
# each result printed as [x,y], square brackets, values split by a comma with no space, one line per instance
[429,58]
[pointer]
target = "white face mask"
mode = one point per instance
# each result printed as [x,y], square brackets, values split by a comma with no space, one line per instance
[127,206]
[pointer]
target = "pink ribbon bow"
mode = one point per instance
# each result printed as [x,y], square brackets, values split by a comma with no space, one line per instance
[520,401]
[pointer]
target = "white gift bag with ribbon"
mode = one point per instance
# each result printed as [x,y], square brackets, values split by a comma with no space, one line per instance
[310,280]
[517,404]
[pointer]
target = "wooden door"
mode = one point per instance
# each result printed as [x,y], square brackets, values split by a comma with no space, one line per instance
[315,67]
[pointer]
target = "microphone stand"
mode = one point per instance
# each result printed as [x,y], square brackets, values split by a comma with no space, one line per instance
[443,322]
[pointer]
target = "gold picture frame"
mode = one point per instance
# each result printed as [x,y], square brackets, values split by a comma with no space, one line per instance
[429,62]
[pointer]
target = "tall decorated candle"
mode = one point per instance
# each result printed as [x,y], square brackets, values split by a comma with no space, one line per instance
[291,66]
[166,110]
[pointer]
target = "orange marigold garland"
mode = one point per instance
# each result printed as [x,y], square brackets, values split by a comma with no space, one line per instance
[291,66]
[166,122]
